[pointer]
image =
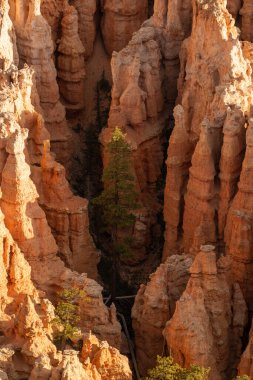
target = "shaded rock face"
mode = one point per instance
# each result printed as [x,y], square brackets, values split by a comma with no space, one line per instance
[155,305]
[245,365]
[120,20]
[209,319]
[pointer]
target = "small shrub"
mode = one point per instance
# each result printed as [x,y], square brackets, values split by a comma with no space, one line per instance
[167,369]
[67,314]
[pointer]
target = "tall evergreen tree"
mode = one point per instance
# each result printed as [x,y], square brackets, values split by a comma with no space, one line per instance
[118,199]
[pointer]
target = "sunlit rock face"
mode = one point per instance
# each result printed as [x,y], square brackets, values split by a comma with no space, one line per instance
[209,319]
[206,156]
[40,217]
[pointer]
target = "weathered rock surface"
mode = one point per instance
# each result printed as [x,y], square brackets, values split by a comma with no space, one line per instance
[247,17]
[154,306]
[87,25]
[209,319]
[246,362]
[208,141]
[144,81]
[70,61]
[104,362]
[120,20]
[35,47]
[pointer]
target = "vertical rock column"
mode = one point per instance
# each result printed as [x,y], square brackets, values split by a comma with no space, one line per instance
[35,47]
[70,62]
[238,232]
[86,23]
[208,323]
[198,223]
[120,20]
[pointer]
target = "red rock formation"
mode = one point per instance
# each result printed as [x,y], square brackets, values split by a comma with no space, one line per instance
[104,362]
[154,306]
[234,7]
[136,106]
[246,362]
[139,85]
[35,48]
[87,26]
[8,48]
[70,61]
[238,235]
[120,20]
[52,11]
[247,17]
[24,217]
[207,98]
[209,319]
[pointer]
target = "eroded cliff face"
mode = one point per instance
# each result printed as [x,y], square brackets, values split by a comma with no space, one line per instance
[207,147]
[144,89]
[40,217]
[207,196]
[209,319]
[154,306]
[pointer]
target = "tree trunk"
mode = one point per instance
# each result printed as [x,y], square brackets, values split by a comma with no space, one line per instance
[114,264]
[114,276]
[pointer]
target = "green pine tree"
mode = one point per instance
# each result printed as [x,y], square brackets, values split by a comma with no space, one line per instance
[118,199]
[67,314]
[167,369]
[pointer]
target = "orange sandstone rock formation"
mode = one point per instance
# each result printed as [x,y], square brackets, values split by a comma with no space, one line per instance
[120,20]
[104,362]
[35,47]
[209,319]
[247,17]
[202,176]
[144,82]
[154,306]
[86,23]
[70,61]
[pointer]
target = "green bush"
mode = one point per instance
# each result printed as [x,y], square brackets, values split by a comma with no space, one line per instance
[67,314]
[167,369]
